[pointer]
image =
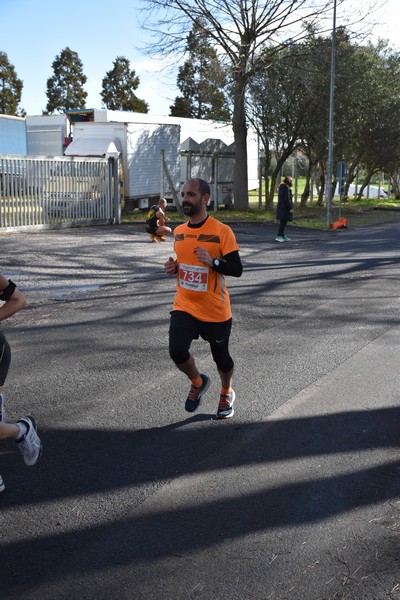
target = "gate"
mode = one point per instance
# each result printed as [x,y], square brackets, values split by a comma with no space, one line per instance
[37,192]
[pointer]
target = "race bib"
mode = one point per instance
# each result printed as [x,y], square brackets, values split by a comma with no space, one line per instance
[193,277]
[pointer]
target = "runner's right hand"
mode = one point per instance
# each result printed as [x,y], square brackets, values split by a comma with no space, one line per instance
[171,267]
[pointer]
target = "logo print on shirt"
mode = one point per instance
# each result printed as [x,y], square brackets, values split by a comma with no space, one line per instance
[209,238]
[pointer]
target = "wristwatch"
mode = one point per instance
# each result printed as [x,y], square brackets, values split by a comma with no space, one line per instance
[216,262]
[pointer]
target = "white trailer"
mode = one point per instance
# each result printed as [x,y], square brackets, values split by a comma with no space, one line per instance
[197,148]
[149,155]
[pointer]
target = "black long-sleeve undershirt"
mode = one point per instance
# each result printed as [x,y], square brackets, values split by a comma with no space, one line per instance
[230,264]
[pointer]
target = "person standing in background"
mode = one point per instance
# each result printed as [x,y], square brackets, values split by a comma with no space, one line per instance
[284,210]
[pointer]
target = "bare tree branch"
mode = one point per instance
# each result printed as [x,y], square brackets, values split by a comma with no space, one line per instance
[240,29]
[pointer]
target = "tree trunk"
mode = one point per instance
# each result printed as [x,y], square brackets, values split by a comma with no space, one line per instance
[365,183]
[271,191]
[321,191]
[395,185]
[266,166]
[241,187]
[266,185]
[351,174]
[306,192]
[278,168]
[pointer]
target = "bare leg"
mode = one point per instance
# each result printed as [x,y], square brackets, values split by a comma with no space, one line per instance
[163,230]
[189,368]
[8,431]
[226,378]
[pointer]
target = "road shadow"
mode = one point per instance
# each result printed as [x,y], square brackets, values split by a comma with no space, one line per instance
[87,463]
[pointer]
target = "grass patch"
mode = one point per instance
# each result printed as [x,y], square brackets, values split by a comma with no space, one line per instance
[359,213]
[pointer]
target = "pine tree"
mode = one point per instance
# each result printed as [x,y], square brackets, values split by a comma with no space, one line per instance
[118,87]
[65,89]
[10,88]
[201,80]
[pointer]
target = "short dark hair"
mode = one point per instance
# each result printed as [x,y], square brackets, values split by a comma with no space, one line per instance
[203,186]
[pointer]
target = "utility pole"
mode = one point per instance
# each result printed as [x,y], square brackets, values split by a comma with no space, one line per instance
[329,190]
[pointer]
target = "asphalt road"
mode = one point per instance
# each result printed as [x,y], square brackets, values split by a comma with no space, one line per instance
[295,498]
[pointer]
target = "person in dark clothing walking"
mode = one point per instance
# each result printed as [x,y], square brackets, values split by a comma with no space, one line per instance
[284,210]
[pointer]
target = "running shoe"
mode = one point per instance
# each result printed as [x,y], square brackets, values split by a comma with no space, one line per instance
[225,408]
[196,394]
[2,411]
[30,445]
[280,238]
[157,238]
[285,237]
[2,486]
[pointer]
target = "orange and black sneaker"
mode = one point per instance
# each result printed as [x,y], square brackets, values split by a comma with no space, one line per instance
[196,394]
[157,238]
[225,407]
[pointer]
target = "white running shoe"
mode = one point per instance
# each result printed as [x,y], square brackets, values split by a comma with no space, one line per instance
[225,407]
[2,486]
[30,445]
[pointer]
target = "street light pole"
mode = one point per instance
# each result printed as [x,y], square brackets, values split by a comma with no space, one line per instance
[329,190]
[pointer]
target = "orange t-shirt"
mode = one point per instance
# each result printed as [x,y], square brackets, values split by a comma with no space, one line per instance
[201,291]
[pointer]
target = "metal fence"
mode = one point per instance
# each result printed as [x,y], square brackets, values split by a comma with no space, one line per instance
[37,191]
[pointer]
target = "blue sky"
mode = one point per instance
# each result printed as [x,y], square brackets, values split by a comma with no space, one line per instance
[34,32]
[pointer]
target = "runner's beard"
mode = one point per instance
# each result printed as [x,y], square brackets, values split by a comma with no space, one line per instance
[190,209]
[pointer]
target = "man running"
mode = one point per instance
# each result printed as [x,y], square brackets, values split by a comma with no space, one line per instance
[206,251]
[155,221]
